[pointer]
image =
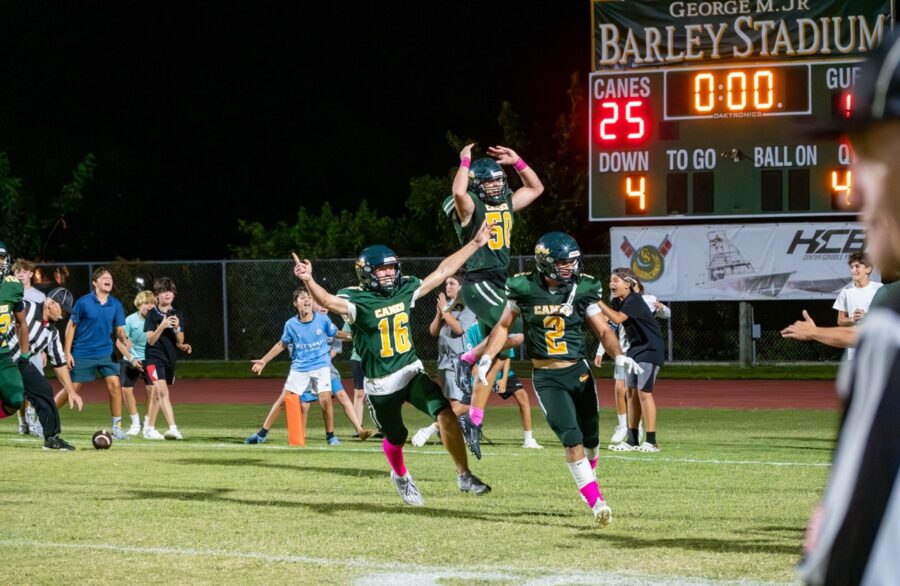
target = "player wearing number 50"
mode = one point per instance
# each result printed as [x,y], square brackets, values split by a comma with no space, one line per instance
[378,311]
[554,302]
[481,192]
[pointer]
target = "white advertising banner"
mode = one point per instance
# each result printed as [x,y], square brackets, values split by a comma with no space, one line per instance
[740,262]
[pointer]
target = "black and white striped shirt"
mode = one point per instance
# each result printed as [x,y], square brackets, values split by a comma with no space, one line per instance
[42,336]
[859,535]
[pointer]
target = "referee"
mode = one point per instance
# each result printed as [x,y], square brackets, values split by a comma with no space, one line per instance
[854,535]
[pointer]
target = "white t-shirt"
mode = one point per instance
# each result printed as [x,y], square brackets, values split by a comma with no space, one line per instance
[852,298]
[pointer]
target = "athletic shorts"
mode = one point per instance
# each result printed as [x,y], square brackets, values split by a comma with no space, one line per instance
[157,371]
[86,369]
[12,389]
[358,376]
[568,398]
[128,375]
[451,387]
[386,410]
[319,379]
[309,396]
[488,301]
[513,384]
[618,372]
[643,382]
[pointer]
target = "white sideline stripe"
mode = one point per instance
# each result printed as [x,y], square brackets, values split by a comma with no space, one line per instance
[182,445]
[401,574]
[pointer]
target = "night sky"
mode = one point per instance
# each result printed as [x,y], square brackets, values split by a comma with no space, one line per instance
[200,114]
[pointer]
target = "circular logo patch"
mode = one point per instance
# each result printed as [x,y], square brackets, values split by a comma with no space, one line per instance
[648,264]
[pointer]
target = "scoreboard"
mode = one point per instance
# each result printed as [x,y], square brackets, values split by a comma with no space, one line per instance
[699,109]
[720,141]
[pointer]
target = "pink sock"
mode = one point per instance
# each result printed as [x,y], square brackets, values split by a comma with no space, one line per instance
[469,357]
[594,463]
[476,415]
[394,455]
[591,493]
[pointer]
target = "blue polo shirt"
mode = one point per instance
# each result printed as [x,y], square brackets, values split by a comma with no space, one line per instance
[96,322]
[309,342]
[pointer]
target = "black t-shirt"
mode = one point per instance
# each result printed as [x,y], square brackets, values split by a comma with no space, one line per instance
[165,349]
[643,333]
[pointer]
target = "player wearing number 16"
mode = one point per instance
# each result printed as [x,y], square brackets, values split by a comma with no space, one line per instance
[378,311]
[554,303]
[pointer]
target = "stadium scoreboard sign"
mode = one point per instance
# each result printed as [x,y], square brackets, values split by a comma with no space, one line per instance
[697,108]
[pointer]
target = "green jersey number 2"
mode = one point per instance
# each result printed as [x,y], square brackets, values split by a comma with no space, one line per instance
[400,335]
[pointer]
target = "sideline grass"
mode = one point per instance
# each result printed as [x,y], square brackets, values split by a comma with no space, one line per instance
[726,500]
[279,369]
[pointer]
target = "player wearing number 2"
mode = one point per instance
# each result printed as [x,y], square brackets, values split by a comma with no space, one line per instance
[378,311]
[482,193]
[554,302]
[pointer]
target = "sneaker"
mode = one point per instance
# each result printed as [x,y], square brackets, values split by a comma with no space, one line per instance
[172,434]
[472,435]
[55,442]
[602,513]
[647,447]
[256,439]
[118,434]
[364,435]
[407,489]
[532,445]
[468,482]
[135,429]
[150,433]
[421,437]
[334,441]
[619,435]
[621,447]
[34,424]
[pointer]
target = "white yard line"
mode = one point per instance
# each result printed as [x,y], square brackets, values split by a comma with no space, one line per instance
[401,574]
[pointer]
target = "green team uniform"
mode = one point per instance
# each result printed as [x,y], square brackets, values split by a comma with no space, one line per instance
[11,388]
[394,374]
[568,396]
[486,270]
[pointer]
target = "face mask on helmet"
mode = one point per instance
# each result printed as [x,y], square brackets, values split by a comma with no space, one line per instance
[487,180]
[4,261]
[371,261]
[557,257]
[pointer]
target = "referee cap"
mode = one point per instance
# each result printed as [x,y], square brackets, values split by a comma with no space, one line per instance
[63,297]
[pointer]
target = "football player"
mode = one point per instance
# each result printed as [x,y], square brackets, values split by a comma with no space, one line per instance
[12,391]
[378,311]
[481,192]
[554,302]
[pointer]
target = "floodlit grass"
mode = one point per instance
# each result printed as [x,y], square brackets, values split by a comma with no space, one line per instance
[726,499]
[279,369]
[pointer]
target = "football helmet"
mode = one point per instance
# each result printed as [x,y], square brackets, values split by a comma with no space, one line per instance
[371,258]
[553,254]
[5,260]
[487,180]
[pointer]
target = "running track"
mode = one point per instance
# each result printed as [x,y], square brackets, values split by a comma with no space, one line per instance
[722,394]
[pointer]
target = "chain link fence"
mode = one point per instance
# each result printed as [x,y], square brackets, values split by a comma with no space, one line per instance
[235,309]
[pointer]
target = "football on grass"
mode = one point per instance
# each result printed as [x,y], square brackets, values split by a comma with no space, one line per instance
[102,440]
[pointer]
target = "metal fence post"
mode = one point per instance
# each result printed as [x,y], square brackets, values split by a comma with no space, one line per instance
[90,282]
[669,324]
[225,308]
[521,264]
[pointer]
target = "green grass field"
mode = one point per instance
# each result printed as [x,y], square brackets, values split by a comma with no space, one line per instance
[726,500]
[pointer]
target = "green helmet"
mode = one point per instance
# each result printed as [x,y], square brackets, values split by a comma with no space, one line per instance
[553,248]
[5,260]
[372,257]
[483,171]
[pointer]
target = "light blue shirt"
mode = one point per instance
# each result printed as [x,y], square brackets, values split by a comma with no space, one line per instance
[134,329]
[474,337]
[309,342]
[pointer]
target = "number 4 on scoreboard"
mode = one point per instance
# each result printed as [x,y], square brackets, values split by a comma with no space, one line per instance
[635,195]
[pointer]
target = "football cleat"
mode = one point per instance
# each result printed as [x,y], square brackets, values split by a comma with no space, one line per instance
[472,435]
[602,513]
[468,482]
[407,489]
[256,439]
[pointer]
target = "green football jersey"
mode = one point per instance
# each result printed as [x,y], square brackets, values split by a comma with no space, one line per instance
[381,332]
[495,254]
[11,292]
[550,330]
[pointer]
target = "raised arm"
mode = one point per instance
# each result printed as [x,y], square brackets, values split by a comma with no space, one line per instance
[452,263]
[531,188]
[461,200]
[303,271]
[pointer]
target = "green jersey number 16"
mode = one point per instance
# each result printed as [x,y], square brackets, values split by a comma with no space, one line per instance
[400,335]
